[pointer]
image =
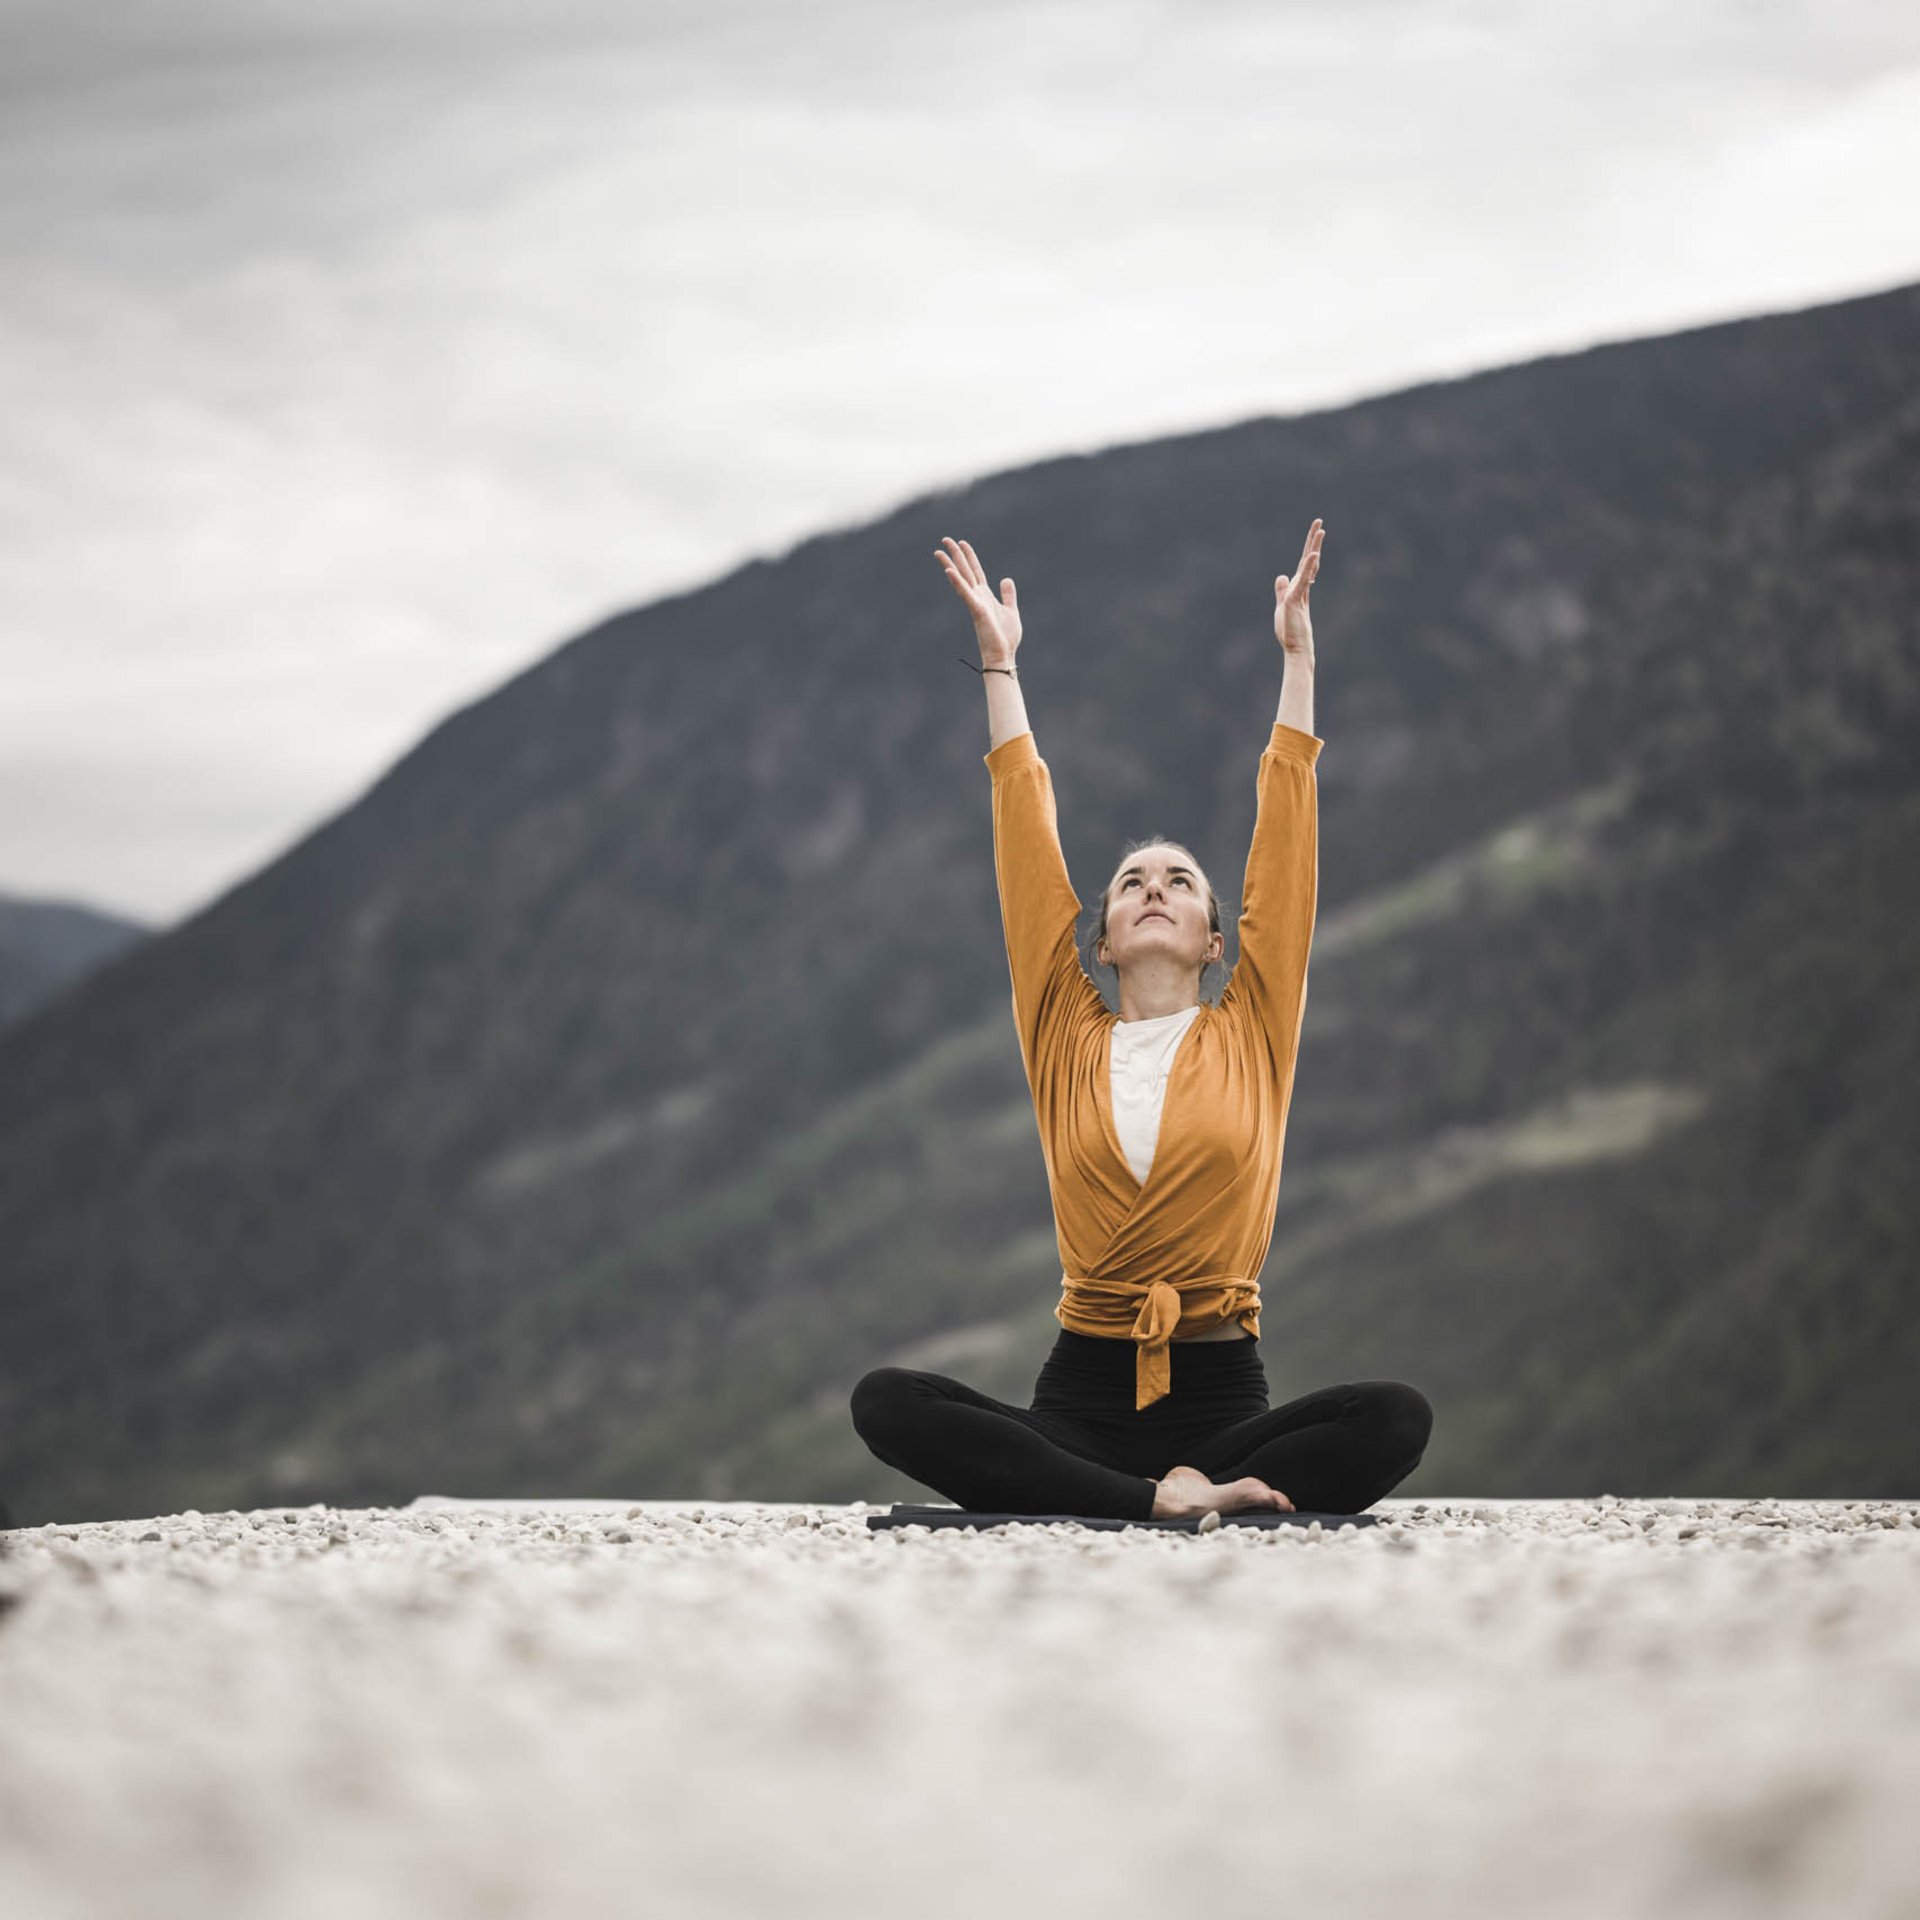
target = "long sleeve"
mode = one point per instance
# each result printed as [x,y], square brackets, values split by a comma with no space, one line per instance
[1038,906]
[1281,894]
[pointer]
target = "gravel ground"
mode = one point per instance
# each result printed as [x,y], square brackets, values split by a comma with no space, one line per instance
[1553,1708]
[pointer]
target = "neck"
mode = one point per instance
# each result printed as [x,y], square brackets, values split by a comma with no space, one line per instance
[1147,992]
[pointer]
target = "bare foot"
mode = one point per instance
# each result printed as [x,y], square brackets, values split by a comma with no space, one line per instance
[1186,1491]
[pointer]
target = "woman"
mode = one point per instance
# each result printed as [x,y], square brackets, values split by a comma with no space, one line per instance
[1162,1131]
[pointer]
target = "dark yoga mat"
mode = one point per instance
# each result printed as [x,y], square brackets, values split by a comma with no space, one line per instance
[903,1515]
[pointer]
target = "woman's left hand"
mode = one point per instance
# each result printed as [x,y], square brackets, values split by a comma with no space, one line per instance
[1292,623]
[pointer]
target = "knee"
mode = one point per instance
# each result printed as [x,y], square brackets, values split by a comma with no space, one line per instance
[1402,1417]
[879,1399]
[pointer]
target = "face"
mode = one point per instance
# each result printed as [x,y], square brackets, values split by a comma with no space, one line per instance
[1157,907]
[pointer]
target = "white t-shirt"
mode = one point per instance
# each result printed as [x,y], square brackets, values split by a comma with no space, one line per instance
[1142,1059]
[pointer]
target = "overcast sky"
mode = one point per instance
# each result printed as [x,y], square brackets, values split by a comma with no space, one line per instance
[354,355]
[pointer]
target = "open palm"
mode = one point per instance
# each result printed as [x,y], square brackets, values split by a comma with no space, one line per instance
[1292,620]
[996,623]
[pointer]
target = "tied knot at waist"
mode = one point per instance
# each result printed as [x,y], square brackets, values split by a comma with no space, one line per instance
[1150,1312]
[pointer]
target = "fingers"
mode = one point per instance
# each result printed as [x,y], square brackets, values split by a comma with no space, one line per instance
[1296,583]
[958,560]
[969,581]
[969,577]
[965,560]
[958,580]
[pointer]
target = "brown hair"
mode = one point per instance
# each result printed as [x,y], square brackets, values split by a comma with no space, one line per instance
[1126,852]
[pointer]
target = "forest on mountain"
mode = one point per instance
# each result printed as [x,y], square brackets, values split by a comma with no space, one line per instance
[587,1105]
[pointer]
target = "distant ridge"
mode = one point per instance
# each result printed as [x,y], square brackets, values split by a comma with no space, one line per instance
[45,944]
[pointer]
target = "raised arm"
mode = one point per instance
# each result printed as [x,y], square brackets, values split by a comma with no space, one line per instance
[1038,906]
[1281,895]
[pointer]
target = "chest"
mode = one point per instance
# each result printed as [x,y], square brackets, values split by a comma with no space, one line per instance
[1140,1058]
[1192,1090]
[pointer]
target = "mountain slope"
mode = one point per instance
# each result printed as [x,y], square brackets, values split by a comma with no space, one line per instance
[589,1103]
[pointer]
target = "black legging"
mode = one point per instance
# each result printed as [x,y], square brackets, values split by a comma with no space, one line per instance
[1083,1448]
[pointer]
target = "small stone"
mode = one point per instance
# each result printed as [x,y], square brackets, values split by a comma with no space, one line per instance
[1208,1522]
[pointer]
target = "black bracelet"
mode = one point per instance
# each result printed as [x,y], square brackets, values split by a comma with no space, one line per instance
[1008,671]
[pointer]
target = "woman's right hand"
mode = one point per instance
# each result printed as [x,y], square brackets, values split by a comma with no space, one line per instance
[996,623]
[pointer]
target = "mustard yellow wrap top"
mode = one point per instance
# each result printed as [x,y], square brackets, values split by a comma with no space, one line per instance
[1182,1253]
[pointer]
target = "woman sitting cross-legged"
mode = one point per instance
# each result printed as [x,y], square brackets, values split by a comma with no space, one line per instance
[1162,1131]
